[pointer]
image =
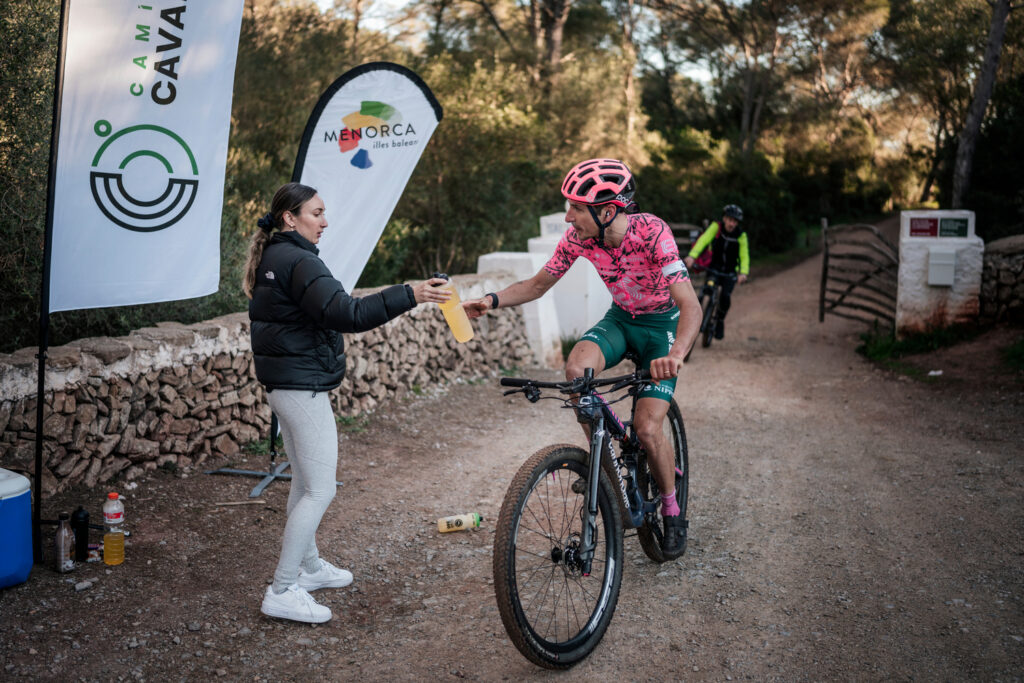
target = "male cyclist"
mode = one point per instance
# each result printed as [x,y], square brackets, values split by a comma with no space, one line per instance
[655,311]
[729,254]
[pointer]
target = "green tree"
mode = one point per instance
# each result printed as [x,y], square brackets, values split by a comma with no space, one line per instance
[996,194]
[480,181]
[927,51]
[982,92]
[28,31]
[743,44]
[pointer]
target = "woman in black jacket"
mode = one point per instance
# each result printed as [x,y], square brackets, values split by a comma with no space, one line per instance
[298,312]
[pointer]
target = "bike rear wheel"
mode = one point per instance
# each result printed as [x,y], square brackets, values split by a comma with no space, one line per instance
[553,613]
[650,532]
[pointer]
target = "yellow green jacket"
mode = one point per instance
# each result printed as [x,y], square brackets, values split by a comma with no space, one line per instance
[730,252]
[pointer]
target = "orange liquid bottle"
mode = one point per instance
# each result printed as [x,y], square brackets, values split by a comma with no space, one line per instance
[454,313]
[113,524]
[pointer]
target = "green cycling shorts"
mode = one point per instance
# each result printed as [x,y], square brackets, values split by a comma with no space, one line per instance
[649,336]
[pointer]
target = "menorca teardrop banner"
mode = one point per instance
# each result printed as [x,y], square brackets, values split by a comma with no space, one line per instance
[361,144]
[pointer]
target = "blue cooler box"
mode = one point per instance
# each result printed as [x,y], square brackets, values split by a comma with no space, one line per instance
[15,529]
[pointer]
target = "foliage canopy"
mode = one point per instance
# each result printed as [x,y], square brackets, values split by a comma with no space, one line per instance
[795,109]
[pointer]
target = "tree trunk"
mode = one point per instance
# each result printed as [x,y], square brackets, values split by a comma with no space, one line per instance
[556,14]
[746,115]
[629,51]
[357,15]
[982,93]
[926,191]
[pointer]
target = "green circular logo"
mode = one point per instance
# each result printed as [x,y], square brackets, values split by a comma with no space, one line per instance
[145,177]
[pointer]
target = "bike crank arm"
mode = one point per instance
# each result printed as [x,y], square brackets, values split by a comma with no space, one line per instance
[638,509]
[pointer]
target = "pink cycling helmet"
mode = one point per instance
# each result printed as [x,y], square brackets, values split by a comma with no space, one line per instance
[599,181]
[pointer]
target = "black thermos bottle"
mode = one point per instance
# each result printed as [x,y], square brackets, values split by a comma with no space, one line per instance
[80,525]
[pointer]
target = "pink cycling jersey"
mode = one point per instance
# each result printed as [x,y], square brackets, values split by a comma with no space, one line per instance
[638,273]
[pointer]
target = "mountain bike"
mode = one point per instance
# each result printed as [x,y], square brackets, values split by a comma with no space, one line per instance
[558,542]
[710,295]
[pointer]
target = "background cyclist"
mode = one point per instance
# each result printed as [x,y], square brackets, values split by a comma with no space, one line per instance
[655,312]
[729,254]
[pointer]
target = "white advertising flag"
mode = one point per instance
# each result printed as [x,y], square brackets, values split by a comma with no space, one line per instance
[361,144]
[143,137]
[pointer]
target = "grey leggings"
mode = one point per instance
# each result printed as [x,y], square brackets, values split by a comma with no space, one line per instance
[311,441]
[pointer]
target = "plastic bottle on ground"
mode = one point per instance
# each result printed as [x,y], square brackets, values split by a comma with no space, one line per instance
[80,525]
[113,530]
[64,544]
[470,520]
[454,313]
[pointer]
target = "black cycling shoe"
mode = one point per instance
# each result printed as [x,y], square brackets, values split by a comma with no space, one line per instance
[720,328]
[673,543]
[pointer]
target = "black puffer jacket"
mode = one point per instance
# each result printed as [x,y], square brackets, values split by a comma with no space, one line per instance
[298,312]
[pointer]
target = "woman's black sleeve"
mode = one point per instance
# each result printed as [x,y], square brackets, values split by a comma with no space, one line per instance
[325,300]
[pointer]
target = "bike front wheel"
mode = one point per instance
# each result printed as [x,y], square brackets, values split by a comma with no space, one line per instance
[707,325]
[554,613]
[650,532]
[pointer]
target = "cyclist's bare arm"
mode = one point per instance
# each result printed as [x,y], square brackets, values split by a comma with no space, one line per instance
[686,331]
[517,293]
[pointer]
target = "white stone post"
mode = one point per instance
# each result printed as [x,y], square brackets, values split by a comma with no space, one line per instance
[539,316]
[941,261]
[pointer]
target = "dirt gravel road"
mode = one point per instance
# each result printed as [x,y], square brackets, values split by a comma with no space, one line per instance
[846,523]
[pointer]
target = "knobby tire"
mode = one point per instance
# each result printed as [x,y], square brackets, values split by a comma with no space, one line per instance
[650,532]
[553,614]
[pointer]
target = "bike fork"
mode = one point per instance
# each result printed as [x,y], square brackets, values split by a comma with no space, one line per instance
[589,541]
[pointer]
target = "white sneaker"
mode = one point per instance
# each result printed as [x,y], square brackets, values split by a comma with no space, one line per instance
[328,576]
[295,604]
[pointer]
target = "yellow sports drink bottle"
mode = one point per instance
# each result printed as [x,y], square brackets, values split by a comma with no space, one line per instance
[453,312]
[469,520]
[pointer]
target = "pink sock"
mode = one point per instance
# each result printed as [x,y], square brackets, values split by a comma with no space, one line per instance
[669,508]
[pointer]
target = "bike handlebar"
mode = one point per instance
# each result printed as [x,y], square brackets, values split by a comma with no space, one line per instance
[577,385]
[721,273]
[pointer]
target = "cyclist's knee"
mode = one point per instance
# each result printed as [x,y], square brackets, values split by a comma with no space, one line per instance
[647,428]
[584,355]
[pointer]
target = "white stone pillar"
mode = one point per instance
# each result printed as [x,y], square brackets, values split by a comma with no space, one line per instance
[539,316]
[941,262]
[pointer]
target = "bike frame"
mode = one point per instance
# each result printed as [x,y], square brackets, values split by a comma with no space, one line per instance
[713,284]
[605,425]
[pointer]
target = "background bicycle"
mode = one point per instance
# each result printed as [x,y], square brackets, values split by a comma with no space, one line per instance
[710,296]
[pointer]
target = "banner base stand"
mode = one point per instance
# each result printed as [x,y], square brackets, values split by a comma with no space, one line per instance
[276,471]
[268,477]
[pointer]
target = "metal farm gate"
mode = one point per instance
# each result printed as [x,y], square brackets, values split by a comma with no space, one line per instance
[858,274]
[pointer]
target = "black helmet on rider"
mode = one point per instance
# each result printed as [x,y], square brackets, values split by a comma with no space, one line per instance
[733,211]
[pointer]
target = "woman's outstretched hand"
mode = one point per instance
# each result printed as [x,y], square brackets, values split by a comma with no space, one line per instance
[429,291]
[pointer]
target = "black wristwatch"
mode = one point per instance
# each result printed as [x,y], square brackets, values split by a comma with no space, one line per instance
[494,299]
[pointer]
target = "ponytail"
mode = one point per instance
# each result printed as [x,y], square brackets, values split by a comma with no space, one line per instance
[257,244]
[289,197]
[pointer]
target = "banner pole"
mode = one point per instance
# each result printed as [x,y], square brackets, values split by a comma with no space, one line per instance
[44,292]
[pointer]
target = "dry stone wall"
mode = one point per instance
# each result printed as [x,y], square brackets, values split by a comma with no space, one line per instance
[1002,283]
[177,394]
